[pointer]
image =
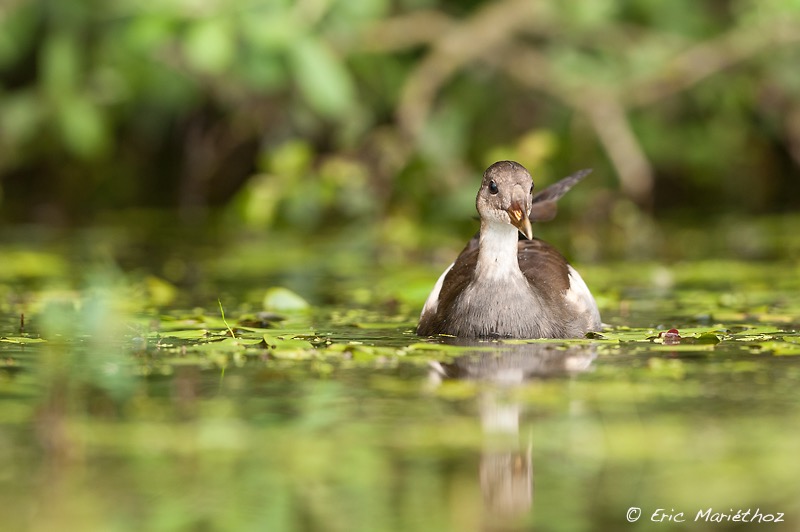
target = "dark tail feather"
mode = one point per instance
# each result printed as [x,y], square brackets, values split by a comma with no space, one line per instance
[556,190]
[544,206]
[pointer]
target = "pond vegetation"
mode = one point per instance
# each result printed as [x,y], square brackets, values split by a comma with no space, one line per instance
[132,403]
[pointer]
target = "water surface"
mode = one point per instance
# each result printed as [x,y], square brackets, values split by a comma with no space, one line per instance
[126,404]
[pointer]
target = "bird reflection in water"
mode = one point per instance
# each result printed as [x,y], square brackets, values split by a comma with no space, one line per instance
[506,467]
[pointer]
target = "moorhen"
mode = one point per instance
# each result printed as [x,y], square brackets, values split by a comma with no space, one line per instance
[505,286]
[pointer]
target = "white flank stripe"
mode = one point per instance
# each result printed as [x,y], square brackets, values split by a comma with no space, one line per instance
[432,303]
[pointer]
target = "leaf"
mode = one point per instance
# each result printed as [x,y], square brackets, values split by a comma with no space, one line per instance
[60,64]
[362,352]
[272,31]
[322,78]
[283,299]
[160,291]
[225,345]
[31,264]
[383,325]
[286,343]
[209,45]
[780,348]
[22,340]
[83,127]
[449,348]
[706,338]
[290,160]
[20,116]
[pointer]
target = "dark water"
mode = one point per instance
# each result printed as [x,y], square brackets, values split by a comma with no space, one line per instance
[134,415]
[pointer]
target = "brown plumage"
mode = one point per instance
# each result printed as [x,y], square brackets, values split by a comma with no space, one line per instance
[504,286]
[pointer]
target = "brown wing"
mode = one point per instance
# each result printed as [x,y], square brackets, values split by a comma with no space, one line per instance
[456,280]
[544,267]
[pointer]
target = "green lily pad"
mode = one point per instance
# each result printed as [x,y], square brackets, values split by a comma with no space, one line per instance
[283,300]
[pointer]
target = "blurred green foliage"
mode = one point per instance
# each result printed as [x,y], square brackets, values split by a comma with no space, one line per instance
[319,113]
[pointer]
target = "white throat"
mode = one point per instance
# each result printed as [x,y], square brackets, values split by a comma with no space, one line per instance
[497,257]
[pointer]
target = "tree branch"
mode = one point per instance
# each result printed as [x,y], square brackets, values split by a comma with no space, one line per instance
[491,35]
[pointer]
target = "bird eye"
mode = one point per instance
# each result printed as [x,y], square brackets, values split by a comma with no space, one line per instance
[493,187]
[531,189]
